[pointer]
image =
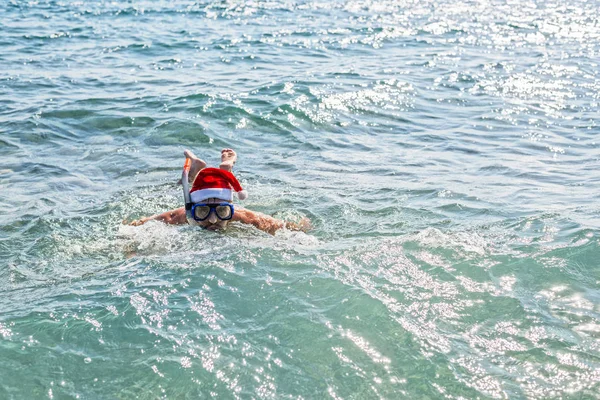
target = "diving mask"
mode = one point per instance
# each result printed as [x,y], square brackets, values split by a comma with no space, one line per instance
[223,211]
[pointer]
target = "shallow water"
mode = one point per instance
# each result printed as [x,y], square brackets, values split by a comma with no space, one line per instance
[446,152]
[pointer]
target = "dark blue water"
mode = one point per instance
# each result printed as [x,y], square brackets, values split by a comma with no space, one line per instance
[447,154]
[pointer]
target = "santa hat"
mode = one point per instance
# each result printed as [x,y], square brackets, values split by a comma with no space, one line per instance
[217,183]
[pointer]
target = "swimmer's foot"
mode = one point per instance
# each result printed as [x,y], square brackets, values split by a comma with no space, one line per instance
[228,159]
[197,164]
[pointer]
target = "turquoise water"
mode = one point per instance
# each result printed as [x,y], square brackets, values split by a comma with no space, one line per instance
[446,152]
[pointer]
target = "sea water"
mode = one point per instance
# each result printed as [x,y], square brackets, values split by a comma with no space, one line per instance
[447,153]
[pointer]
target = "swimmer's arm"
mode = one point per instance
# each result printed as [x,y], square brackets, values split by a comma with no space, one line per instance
[267,223]
[173,217]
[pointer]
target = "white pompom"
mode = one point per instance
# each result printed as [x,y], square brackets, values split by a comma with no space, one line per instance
[242,195]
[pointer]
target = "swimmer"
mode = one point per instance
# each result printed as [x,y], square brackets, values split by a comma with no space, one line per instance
[211,197]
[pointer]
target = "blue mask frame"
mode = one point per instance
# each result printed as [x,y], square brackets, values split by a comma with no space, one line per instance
[212,210]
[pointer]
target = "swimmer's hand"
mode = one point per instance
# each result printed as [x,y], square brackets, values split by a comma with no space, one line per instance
[304,225]
[137,222]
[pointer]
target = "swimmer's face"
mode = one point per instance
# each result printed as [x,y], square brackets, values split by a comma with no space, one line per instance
[212,223]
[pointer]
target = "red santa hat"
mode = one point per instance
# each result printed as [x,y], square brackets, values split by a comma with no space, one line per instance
[217,183]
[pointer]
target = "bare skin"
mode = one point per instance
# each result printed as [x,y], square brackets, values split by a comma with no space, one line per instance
[228,159]
[261,221]
[197,164]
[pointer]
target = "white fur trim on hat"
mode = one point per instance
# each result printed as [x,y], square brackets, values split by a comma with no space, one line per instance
[242,195]
[224,194]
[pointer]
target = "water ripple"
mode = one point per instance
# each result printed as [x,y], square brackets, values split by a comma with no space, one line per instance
[446,153]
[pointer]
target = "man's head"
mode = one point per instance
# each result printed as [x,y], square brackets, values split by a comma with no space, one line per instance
[216,217]
[211,187]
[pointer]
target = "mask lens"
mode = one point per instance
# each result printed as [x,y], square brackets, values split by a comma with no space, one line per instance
[201,212]
[223,212]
